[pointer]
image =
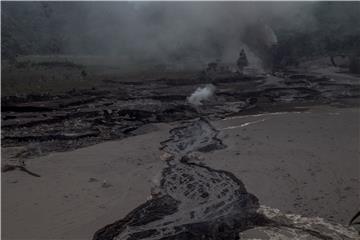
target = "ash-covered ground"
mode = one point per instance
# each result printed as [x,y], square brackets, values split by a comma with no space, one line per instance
[189,200]
[181,120]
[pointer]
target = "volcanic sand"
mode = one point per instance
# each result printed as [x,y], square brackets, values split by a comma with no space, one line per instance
[300,162]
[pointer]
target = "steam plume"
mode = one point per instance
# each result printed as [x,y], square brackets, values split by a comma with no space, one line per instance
[201,94]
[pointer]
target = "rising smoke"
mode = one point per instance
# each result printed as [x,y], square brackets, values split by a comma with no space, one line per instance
[160,32]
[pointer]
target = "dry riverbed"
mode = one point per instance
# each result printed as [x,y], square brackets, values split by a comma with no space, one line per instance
[304,162]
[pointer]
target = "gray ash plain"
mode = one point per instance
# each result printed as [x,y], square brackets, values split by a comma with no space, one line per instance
[193,201]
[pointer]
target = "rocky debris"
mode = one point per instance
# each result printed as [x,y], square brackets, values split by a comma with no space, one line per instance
[292,226]
[212,66]
[152,210]
[285,233]
[8,167]
[354,65]
[242,61]
[117,109]
[294,94]
[46,106]
[196,135]
[352,220]
[54,136]
[105,184]
[93,179]
[216,68]
[195,201]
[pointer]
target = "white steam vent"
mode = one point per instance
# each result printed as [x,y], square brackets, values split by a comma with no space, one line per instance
[269,36]
[201,94]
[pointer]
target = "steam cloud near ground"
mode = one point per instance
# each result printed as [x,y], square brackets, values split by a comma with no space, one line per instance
[201,94]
